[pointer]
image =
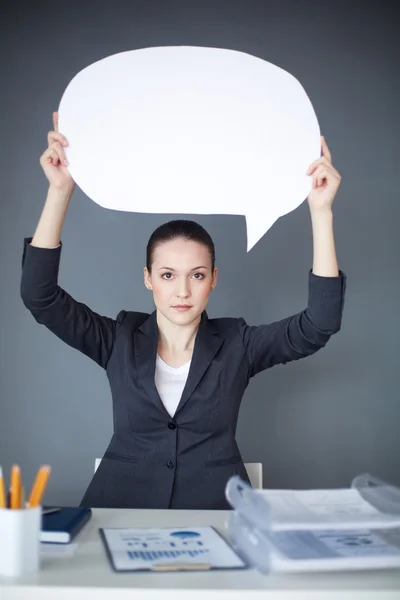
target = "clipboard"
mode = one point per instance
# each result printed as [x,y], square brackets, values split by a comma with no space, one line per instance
[167,549]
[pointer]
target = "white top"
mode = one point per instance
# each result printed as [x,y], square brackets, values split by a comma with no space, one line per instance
[170,382]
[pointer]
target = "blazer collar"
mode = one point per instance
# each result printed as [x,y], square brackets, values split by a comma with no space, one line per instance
[207,343]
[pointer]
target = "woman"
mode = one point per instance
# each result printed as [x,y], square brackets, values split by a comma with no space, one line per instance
[177,377]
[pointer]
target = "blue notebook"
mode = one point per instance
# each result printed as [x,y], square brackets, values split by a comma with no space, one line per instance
[62,526]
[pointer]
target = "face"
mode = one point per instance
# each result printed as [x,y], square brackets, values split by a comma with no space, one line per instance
[181,280]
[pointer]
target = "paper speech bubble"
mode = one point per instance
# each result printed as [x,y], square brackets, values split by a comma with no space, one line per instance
[186,129]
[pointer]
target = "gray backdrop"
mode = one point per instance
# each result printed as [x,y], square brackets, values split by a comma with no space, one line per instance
[317,422]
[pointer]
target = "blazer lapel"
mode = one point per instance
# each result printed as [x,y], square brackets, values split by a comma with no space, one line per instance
[207,344]
[145,347]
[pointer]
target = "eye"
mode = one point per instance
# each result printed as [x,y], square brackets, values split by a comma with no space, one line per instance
[198,275]
[168,275]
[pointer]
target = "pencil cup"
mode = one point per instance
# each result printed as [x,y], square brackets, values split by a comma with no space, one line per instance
[19,541]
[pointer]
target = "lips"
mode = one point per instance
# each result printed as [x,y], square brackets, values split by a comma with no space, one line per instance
[181,307]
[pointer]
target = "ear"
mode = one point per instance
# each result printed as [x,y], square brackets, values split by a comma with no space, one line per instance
[147,279]
[214,278]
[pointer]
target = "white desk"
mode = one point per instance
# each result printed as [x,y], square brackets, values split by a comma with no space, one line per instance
[88,575]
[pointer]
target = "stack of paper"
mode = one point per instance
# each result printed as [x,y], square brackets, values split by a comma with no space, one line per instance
[329,529]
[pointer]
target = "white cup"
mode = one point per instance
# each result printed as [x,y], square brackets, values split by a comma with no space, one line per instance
[19,541]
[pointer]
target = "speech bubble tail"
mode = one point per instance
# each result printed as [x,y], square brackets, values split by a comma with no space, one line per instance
[257,226]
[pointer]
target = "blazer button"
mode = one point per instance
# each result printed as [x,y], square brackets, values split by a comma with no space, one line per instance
[171,425]
[170,464]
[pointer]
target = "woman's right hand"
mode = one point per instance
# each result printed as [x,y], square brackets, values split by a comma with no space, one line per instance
[54,162]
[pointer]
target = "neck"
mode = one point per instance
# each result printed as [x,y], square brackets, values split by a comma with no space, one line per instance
[176,338]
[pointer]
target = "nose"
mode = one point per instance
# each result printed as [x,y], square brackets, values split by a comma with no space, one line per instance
[183,288]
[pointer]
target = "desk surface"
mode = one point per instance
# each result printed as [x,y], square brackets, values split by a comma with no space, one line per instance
[87,574]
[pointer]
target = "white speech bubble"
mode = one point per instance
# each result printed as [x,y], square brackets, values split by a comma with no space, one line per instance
[184,129]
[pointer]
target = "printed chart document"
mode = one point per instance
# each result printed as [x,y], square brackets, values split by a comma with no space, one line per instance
[158,549]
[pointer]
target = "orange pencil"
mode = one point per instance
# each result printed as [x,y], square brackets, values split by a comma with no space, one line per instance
[15,487]
[39,486]
[3,503]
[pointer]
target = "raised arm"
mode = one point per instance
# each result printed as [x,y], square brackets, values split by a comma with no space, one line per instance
[61,186]
[301,334]
[306,332]
[73,322]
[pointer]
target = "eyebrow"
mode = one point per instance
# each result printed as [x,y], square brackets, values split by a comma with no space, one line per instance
[170,269]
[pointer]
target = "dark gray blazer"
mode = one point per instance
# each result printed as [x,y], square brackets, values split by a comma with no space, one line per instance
[153,461]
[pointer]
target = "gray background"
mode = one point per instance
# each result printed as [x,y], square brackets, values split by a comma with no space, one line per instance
[317,422]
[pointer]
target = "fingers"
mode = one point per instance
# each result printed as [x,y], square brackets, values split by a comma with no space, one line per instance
[57,142]
[55,136]
[325,150]
[60,152]
[320,174]
[54,154]
[320,161]
[326,157]
[324,172]
[49,156]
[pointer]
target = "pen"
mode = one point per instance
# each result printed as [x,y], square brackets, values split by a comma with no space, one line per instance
[181,567]
[15,502]
[2,491]
[49,511]
[39,486]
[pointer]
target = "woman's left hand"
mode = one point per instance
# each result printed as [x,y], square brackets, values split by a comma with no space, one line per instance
[325,181]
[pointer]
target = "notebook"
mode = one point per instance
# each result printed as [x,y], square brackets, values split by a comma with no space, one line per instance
[61,527]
